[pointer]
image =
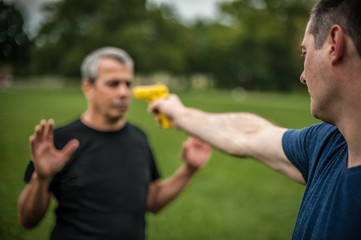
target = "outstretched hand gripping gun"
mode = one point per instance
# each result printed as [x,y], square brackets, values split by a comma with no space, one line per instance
[151,93]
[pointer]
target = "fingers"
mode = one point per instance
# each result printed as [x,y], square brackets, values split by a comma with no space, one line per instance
[165,109]
[196,153]
[43,131]
[199,144]
[161,104]
[161,119]
[153,106]
[69,148]
[32,145]
[39,131]
[158,119]
[48,134]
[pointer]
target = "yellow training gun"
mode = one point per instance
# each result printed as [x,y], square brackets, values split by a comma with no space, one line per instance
[151,93]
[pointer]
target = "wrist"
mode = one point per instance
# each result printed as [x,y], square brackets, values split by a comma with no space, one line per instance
[191,169]
[43,179]
[178,117]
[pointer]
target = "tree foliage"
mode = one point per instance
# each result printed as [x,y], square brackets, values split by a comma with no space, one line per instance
[258,48]
[253,45]
[80,26]
[14,43]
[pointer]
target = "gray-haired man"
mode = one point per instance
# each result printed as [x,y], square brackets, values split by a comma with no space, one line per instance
[100,168]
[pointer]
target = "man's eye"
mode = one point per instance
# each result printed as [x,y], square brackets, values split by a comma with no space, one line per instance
[303,54]
[113,84]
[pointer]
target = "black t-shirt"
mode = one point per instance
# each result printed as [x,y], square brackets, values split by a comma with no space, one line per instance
[102,190]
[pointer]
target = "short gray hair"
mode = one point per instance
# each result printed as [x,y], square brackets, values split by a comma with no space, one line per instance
[89,67]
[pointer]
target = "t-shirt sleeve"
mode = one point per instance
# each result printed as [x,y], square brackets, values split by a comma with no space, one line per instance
[29,172]
[300,146]
[153,168]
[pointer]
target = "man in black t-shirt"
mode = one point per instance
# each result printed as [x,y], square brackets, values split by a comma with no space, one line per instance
[100,168]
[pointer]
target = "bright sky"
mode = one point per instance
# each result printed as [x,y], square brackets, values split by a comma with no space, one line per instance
[31,12]
[188,9]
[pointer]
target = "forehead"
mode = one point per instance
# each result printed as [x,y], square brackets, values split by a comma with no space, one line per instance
[307,38]
[108,63]
[111,67]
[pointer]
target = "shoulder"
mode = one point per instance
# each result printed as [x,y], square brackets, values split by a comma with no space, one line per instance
[76,124]
[313,137]
[317,132]
[306,147]
[134,129]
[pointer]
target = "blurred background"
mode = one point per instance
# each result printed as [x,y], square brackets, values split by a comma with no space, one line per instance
[218,55]
[252,44]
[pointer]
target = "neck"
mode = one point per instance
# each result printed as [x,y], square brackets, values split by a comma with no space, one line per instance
[102,123]
[349,121]
[352,134]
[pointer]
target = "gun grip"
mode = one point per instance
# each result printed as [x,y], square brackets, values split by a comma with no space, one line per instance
[164,121]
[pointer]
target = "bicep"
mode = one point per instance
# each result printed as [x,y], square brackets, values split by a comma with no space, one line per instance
[266,146]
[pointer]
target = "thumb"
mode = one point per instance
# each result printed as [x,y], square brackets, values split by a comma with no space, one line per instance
[70,148]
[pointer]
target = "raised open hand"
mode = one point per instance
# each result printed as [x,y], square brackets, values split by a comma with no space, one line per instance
[196,153]
[47,159]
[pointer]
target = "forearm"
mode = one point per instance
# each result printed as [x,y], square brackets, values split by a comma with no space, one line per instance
[163,192]
[33,202]
[242,135]
[232,133]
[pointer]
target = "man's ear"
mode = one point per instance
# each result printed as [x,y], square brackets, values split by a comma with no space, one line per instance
[86,87]
[337,44]
[85,84]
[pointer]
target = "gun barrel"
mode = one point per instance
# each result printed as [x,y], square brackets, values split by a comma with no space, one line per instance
[151,92]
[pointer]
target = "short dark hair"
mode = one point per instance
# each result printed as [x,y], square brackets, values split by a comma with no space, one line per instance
[346,13]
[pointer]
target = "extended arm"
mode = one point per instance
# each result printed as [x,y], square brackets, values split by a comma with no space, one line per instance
[34,200]
[238,134]
[195,154]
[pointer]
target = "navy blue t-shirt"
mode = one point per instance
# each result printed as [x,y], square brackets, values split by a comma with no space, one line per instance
[331,205]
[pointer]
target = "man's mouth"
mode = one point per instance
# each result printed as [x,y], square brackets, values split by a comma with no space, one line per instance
[121,105]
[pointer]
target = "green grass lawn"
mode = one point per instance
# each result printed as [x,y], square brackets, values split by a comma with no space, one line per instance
[230,198]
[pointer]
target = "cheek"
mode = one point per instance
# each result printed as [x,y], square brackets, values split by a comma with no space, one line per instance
[101,99]
[312,71]
[308,65]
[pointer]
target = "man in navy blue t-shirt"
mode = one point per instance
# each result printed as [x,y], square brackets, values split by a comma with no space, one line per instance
[325,157]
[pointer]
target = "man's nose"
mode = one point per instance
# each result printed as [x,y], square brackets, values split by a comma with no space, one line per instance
[302,78]
[124,90]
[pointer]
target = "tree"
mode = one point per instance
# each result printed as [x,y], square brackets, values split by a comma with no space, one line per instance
[14,42]
[265,53]
[257,48]
[253,45]
[151,35]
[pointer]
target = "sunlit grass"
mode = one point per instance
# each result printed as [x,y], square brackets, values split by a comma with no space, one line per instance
[230,198]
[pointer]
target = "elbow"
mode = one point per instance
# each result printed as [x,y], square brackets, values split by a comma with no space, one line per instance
[235,147]
[26,219]
[27,224]
[154,209]
[234,150]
